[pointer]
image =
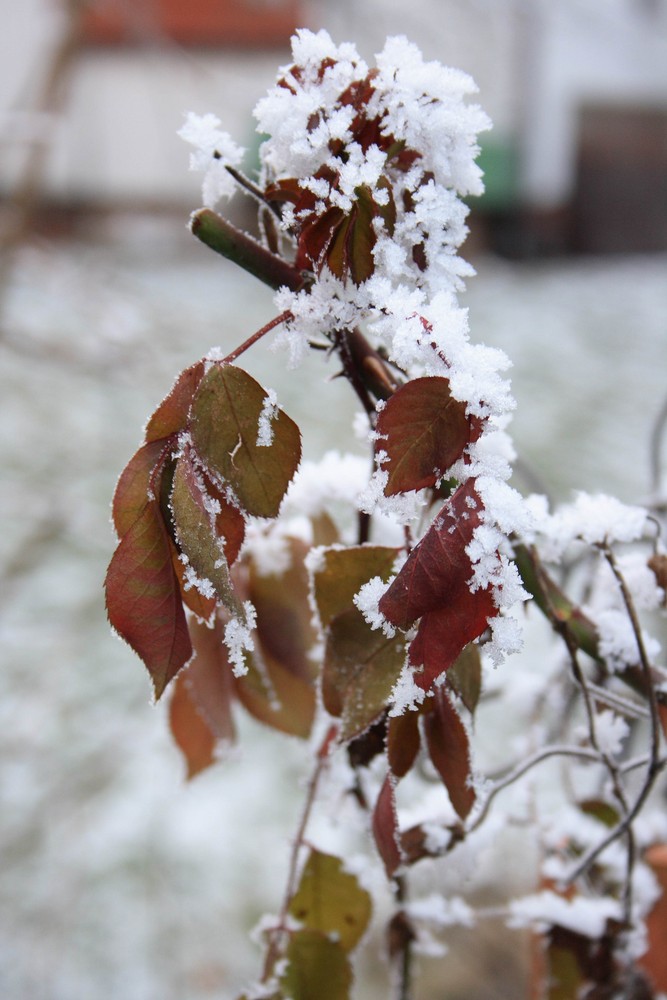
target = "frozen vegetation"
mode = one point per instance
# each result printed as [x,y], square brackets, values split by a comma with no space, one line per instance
[119,880]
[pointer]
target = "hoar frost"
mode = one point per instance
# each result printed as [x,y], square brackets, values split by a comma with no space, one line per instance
[408,133]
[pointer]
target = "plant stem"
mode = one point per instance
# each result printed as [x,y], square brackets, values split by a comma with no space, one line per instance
[283,318]
[278,932]
[241,249]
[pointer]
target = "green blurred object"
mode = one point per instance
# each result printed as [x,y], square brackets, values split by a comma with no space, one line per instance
[499,161]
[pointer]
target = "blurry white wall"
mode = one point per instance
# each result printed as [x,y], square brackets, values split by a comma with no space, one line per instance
[535,63]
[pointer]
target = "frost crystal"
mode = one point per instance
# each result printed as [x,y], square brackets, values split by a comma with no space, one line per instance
[214,150]
[238,639]
[268,414]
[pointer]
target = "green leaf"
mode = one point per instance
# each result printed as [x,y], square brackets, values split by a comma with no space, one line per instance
[361,666]
[331,901]
[224,424]
[195,530]
[465,676]
[144,600]
[423,430]
[132,492]
[343,571]
[601,811]
[172,414]
[318,968]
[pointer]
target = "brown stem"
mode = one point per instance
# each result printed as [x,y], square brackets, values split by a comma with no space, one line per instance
[283,318]
[278,932]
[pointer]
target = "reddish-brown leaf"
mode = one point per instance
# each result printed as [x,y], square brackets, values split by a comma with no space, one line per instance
[276,697]
[385,827]
[434,585]
[438,568]
[402,742]
[449,749]
[171,415]
[443,634]
[144,601]
[200,710]
[422,430]
[131,494]
[284,615]
[189,730]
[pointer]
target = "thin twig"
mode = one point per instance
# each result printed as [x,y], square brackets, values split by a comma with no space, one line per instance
[278,932]
[283,318]
[654,765]
[556,750]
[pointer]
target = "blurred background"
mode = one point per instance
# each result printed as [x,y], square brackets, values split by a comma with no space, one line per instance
[119,880]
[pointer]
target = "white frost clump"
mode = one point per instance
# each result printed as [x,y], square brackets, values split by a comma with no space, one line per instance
[581,915]
[214,150]
[238,639]
[596,519]
[267,415]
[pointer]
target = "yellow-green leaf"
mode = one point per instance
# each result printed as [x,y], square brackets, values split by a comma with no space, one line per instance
[317,968]
[331,901]
[225,427]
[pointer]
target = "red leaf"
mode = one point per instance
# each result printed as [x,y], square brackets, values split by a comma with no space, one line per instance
[438,568]
[144,600]
[191,734]
[284,616]
[385,827]
[423,430]
[443,634]
[434,585]
[402,742]
[449,749]
[171,415]
[200,710]
[131,494]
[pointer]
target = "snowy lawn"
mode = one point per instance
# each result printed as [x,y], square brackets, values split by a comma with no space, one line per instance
[120,881]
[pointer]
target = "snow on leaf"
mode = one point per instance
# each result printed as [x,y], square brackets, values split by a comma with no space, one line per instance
[330,900]
[342,572]
[195,530]
[422,430]
[224,424]
[316,967]
[171,415]
[449,750]
[144,600]
[434,585]
[361,667]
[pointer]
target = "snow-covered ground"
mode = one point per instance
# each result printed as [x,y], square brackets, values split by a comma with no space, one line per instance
[119,881]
